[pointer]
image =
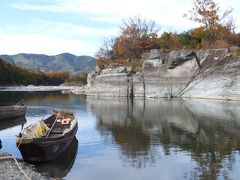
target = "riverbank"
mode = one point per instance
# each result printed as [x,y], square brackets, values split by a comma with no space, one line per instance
[9,169]
[64,89]
[37,88]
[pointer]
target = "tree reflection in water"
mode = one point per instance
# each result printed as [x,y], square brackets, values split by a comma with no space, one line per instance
[209,131]
[134,142]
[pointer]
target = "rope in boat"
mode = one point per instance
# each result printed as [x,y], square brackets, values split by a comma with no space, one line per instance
[19,144]
[53,124]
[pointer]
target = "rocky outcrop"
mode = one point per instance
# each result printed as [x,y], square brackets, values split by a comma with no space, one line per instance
[202,74]
[168,75]
[110,82]
[221,82]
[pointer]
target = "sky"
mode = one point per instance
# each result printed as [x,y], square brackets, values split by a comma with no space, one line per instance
[79,26]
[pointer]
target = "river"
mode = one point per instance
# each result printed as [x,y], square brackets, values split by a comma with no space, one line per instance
[141,139]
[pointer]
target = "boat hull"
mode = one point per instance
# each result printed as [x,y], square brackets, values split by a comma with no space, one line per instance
[61,166]
[45,149]
[11,112]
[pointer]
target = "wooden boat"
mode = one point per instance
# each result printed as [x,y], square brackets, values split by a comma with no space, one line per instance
[60,167]
[47,139]
[10,112]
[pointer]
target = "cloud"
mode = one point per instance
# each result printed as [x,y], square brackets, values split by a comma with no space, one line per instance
[52,37]
[78,26]
[35,7]
[35,43]
[70,30]
[166,13]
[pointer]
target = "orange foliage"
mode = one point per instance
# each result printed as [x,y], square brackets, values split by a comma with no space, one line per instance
[207,13]
[137,36]
[103,62]
[198,32]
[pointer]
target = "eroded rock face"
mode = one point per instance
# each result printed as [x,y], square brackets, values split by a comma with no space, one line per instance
[222,83]
[160,80]
[120,69]
[172,74]
[155,54]
[111,82]
[153,60]
[90,78]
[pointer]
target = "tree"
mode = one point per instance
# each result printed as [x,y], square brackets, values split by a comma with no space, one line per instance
[189,39]
[178,41]
[106,50]
[207,13]
[137,36]
[105,53]
[165,40]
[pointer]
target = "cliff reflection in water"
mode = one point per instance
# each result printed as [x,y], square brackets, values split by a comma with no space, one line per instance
[209,131]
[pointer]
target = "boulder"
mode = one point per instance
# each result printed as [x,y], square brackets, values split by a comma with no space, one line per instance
[155,54]
[121,69]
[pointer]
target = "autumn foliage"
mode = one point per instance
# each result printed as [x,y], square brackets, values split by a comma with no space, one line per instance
[214,25]
[138,35]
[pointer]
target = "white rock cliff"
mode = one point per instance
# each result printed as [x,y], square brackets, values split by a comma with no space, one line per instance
[203,74]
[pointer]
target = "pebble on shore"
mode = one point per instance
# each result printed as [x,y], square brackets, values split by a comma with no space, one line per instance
[10,171]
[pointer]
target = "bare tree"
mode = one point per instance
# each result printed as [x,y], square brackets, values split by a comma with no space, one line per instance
[207,13]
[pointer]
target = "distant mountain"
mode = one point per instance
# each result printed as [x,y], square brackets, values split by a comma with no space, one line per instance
[11,75]
[61,62]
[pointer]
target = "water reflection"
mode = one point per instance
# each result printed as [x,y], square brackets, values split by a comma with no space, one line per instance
[190,139]
[8,123]
[209,131]
[39,106]
[60,167]
[40,98]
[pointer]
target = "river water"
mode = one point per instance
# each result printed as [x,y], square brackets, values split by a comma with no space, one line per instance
[152,139]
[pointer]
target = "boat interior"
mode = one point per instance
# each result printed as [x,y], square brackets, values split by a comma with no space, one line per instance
[60,123]
[56,125]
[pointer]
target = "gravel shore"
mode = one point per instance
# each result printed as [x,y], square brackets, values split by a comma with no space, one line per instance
[10,171]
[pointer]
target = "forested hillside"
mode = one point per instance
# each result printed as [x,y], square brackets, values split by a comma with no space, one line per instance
[11,74]
[62,62]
